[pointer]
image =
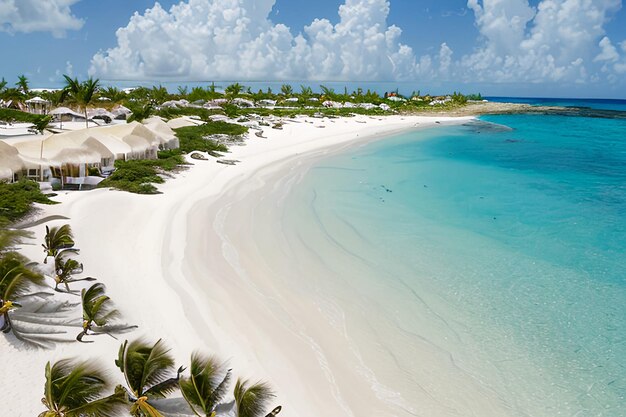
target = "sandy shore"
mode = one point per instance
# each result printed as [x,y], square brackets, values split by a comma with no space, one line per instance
[181,266]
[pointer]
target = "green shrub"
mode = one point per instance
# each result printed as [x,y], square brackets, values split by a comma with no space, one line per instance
[16,199]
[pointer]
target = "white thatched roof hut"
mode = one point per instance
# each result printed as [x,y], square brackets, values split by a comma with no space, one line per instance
[10,160]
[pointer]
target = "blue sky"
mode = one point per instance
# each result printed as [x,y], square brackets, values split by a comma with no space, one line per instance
[499,47]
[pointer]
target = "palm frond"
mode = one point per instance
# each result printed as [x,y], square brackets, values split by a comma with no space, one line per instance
[252,400]
[110,406]
[16,278]
[57,239]
[71,385]
[208,383]
[145,366]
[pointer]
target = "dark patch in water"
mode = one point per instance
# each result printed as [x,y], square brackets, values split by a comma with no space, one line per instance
[480,126]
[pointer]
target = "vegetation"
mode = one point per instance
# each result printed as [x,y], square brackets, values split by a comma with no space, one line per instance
[99,315]
[58,240]
[195,138]
[16,199]
[251,400]
[149,373]
[207,385]
[16,279]
[75,389]
[81,94]
[65,269]
[138,176]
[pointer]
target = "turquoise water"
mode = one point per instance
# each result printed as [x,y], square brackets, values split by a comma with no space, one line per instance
[511,231]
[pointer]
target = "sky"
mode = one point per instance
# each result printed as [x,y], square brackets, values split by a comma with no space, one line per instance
[554,48]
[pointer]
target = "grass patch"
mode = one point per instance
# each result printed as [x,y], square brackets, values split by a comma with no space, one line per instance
[16,199]
[139,176]
[10,115]
[193,138]
[173,113]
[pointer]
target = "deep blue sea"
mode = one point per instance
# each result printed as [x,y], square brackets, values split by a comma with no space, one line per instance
[510,234]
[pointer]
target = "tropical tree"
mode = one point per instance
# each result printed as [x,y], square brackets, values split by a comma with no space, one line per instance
[183,91]
[114,94]
[75,389]
[159,94]
[65,268]
[41,124]
[22,83]
[57,240]
[140,112]
[251,400]
[148,371]
[99,313]
[287,90]
[16,280]
[3,84]
[328,93]
[82,94]
[233,90]
[206,386]
[12,94]
[305,92]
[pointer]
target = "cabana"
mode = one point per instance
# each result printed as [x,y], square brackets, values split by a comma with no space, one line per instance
[37,105]
[73,167]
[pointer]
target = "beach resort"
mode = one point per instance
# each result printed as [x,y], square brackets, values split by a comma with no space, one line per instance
[346,208]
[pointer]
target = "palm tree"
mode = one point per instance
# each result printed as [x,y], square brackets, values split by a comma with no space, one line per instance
[287,90]
[12,94]
[22,83]
[41,124]
[58,240]
[329,93]
[305,92]
[98,313]
[252,400]
[148,372]
[140,112]
[233,90]
[75,389]
[207,384]
[16,279]
[81,94]
[65,269]
[3,83]
[115,95]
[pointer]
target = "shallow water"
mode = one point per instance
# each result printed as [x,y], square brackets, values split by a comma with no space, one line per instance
[498,246]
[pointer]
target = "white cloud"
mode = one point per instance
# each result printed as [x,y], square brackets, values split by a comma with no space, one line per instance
[554,42]
[607,51]
[557,41]
[27,16]
[234,39]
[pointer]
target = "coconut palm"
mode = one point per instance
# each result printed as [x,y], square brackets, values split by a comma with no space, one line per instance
[207,384]
[65,268]
[41,124]
[75,389]
[99,313]
[287,90]
[57,240]
[22,83]
[233,90]
[3,83]
[251,400]
[16,279]
[81,94]
[148,371]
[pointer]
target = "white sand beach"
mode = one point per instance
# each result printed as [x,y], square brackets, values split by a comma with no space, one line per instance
[185,266]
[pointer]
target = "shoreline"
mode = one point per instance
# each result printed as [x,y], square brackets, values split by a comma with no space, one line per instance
[158,233]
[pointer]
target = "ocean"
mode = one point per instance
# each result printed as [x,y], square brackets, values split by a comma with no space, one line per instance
[491,252]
